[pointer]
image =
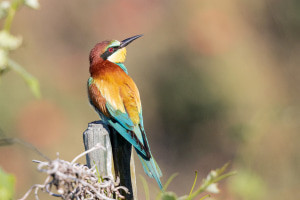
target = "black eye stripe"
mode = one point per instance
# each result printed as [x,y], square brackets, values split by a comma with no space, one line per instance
[114,48]
[107,53]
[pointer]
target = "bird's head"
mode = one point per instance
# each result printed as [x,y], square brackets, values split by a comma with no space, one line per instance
[113,51]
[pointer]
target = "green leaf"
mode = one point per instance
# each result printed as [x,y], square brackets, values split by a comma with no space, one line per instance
[170,180]
[146,188]
[31,81]
[100,179]
[166,185]
[8,41]
[225,176]
[222,169]
[7,184]
[34,86]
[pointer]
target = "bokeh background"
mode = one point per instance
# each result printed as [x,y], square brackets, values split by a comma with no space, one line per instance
[219,81]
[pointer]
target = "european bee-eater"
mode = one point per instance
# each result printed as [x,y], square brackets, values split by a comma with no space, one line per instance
[116,99]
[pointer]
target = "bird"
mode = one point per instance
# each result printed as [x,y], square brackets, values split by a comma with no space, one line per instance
[115,97]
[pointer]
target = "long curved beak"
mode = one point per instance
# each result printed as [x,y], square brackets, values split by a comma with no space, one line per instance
[127,41]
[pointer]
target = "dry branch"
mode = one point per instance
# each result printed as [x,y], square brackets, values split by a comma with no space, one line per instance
[76,181]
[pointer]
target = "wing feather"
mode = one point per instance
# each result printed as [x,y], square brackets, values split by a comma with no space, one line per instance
[122,106]
[96,98]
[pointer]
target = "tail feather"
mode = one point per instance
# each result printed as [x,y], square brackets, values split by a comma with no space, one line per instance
[140,143]
[151,169]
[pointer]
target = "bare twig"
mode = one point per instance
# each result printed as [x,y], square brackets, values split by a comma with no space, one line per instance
[97,146]
[4,140]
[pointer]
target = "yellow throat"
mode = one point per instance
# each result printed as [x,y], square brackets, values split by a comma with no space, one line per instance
[118,57]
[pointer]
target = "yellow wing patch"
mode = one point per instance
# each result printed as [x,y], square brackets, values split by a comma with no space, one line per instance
[131,100]
[110,92]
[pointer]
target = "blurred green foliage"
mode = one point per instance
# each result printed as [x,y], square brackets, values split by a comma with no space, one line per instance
[209,184]
[7,185]
[9,42]
[248,186]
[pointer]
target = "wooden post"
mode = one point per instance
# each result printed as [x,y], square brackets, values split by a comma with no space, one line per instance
[118,149]
[97,132]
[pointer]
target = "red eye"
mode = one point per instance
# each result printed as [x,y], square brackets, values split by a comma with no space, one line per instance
[110,49]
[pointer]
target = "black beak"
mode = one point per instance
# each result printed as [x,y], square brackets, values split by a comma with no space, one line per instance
[127,41]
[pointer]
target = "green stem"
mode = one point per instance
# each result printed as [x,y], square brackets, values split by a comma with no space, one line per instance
[205,197]
[224,176]
[196,174]
[203,187]
[31,81]
[17,68]
[11,14]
